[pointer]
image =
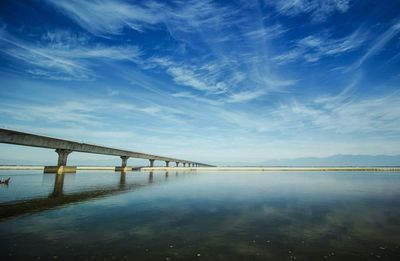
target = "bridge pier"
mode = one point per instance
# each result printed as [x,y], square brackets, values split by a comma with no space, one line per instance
[151,163]
[61,164]
[123,166]
[166,163]
[177,164]
[184,164]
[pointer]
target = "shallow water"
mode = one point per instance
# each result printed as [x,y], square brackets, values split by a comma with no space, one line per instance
[198,215]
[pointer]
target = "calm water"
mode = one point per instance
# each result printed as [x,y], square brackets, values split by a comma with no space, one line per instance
[200,216]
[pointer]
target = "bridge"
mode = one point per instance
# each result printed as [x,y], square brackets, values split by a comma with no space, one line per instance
[64,147]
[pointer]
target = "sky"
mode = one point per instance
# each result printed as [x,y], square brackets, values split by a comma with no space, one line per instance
[218,82]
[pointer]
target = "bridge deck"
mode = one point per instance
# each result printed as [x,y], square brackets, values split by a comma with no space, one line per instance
[33,140]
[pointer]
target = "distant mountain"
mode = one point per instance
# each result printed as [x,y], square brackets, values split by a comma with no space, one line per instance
[338,160]
[334,160]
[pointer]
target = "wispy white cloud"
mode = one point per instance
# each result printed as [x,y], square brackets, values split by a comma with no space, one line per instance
[264,32]
[344,115]
[162,113]
[94,112]
[315,47]
[346,95]
[108,17]
[188,77]
[70,112]
[111,17]
[205,14]
[198,98]
[220,67]
[62,55]
[319,10]
[379,43]
[205,77]
[228,82]
[245,96]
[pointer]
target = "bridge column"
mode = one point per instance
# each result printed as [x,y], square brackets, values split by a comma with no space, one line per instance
[123,166]
[151,163]
[184,164]
[61,164]
[177,164]
[62,156]
[166,163]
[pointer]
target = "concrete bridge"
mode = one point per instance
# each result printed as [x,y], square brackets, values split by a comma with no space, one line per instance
[65,147]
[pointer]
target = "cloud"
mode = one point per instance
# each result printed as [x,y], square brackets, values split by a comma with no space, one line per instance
[102,17]
[269,32]
[319,10]
[160,112]
[379,43]
[205,77]
[70,112]
[62,55]
[204,14]
[245,96]
[317,46]
[198,98]
[94,112]
[339,114]
[225,61]
[187,77]
[224,81]
[346,95]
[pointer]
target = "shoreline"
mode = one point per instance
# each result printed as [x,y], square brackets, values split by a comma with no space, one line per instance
[319,168]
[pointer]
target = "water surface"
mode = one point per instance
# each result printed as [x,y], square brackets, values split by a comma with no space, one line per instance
[204,216]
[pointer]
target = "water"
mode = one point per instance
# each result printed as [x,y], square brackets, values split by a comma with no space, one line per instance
[200,216]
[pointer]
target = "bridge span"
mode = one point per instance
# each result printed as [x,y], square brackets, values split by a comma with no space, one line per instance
[65,147]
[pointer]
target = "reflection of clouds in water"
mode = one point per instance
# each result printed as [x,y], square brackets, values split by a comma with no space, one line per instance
[268,214]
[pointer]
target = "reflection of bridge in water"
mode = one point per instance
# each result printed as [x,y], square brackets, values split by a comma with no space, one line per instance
[58,198]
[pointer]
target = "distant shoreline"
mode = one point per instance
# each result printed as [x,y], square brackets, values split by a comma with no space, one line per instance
[319,168]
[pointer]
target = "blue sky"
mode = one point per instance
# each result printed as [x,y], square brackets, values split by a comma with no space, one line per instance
[212,81]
